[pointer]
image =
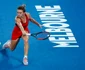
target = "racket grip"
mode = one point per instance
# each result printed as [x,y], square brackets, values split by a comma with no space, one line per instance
[28,34]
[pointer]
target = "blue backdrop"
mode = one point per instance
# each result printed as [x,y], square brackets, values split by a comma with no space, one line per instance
[42,55]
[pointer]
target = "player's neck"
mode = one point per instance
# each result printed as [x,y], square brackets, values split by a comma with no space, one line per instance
[23,16]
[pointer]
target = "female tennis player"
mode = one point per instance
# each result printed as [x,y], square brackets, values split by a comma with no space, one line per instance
[20,30]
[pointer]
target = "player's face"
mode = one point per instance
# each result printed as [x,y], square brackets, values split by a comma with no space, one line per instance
[20,13]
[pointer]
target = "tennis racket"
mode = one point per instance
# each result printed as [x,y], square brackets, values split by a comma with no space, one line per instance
[40,35]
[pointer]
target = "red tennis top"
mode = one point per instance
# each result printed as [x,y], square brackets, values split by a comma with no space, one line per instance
[17,32]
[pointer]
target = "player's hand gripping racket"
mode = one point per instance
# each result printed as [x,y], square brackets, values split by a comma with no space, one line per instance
[40,35]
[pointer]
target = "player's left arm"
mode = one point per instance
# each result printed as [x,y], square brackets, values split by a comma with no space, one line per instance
[33,20]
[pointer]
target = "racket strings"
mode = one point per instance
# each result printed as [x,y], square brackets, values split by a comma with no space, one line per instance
[41,36]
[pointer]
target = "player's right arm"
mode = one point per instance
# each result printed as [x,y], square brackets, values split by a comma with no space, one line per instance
[18,22]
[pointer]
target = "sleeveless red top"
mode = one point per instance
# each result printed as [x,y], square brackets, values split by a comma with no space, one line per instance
[17,32]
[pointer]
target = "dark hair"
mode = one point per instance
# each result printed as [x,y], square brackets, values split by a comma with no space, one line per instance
[22,7]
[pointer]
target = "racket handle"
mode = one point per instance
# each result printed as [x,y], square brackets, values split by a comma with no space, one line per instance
[28,34]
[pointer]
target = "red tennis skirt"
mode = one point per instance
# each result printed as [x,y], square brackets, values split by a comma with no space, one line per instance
[17,32]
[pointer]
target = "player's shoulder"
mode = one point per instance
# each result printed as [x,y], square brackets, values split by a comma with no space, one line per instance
[28,14]
[17,18]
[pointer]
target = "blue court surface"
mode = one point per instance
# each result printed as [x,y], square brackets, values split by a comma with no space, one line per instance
[46,54]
